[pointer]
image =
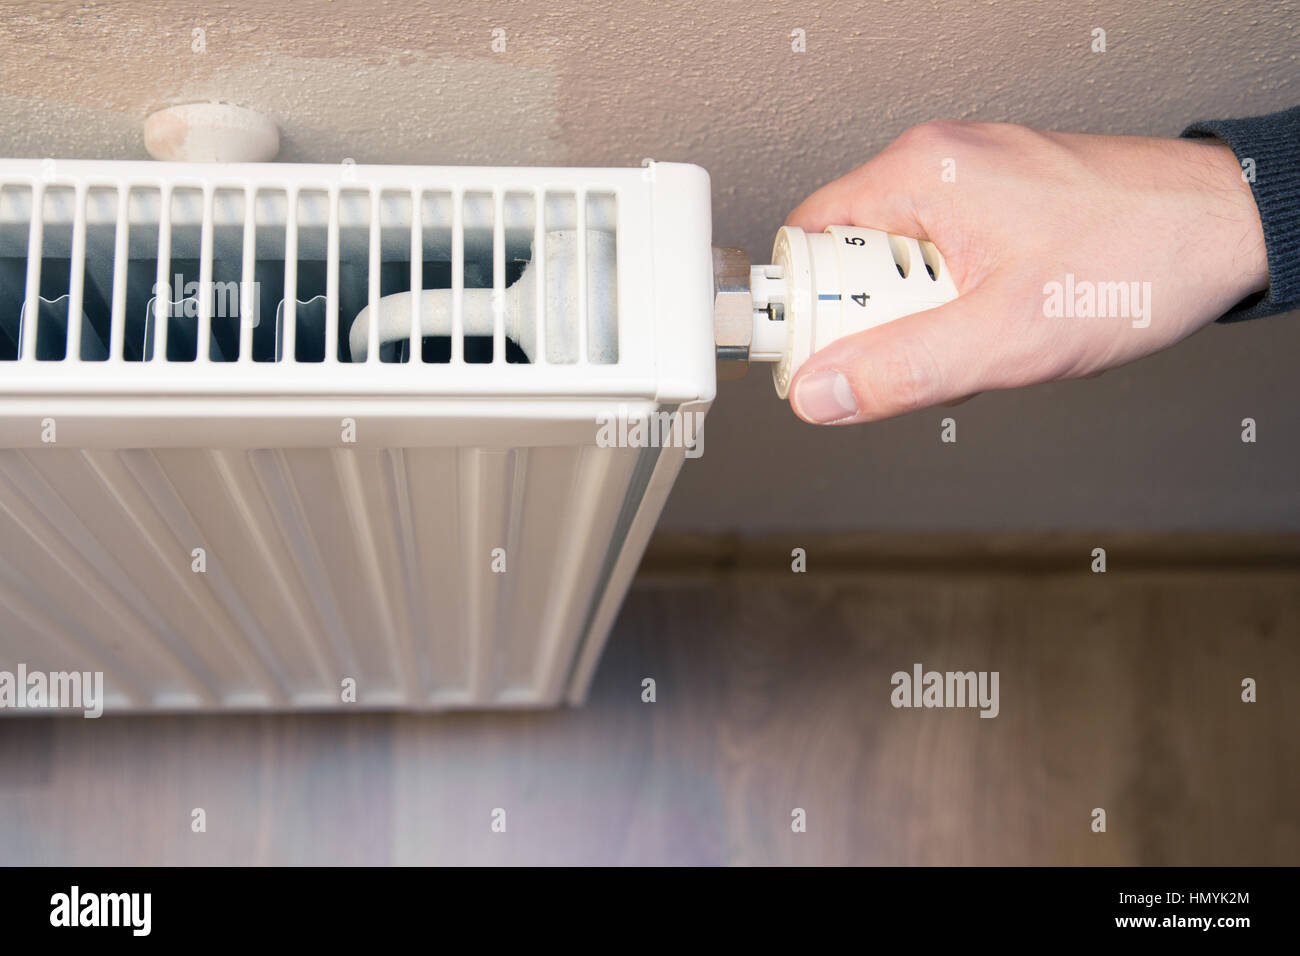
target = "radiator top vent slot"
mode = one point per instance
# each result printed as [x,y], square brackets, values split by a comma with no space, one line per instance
[265,274]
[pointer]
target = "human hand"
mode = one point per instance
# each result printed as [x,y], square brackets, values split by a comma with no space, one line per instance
[1032,221]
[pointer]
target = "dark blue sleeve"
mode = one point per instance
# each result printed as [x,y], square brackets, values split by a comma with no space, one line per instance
[1273,143]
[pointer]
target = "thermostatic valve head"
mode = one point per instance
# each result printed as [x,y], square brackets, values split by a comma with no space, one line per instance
[823,287]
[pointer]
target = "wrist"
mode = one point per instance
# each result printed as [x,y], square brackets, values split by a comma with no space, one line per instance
[1239,258]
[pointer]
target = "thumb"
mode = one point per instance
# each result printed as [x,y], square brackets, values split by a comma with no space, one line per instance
[940,355]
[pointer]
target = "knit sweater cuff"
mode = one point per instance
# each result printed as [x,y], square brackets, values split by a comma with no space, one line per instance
[1272,143]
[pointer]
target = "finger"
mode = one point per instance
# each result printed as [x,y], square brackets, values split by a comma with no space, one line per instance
[959,401]
[873,195]
[941,355]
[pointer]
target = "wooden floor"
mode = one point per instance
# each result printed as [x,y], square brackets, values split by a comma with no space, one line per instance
[1120,691]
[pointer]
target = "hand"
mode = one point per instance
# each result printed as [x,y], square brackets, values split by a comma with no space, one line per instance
[1029,217]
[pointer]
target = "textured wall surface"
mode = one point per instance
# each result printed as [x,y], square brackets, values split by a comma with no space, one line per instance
[609,83]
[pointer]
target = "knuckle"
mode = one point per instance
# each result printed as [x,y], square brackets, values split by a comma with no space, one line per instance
[933,134]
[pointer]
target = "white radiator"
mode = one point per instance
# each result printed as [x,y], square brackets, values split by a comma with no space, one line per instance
[243,493]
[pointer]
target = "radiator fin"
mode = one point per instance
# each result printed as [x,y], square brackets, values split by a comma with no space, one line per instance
[319,565]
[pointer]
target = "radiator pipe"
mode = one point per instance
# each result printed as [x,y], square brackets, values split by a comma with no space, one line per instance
[519,308]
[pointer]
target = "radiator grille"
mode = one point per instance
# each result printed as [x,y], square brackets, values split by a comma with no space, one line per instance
[216,273]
